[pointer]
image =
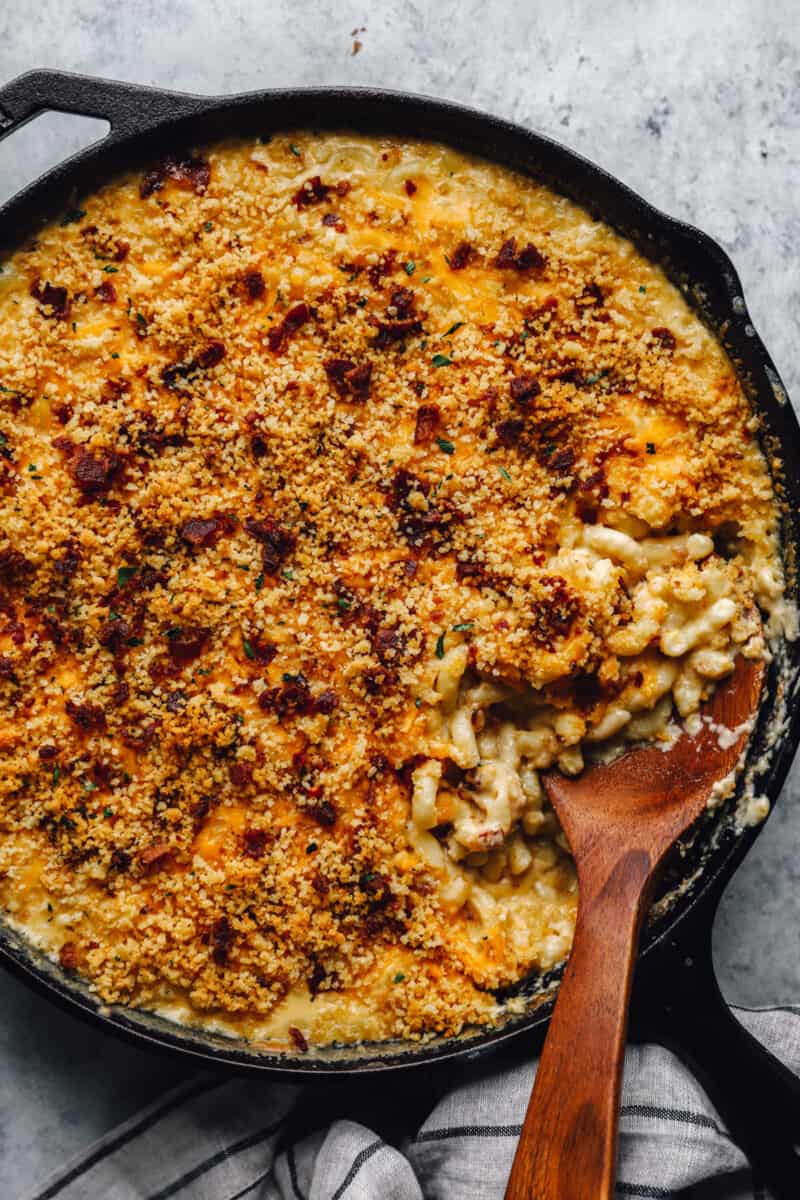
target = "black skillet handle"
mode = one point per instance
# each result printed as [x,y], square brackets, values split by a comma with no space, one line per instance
[127,107]
[679,1004]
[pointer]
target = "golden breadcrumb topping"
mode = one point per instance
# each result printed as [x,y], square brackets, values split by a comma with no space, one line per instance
[341,477]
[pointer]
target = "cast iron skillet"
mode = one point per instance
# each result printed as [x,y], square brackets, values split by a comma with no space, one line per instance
[677,1000]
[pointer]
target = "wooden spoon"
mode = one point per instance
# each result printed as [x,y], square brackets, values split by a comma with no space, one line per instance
[620,820]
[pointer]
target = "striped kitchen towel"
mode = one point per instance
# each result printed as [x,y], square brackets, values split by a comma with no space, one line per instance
[218,1138]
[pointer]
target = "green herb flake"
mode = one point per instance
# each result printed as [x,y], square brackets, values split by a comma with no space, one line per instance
[445,446]
[440,646]
[125,575]
[642,289]
[141,321]
[248,649]
[504,473]
[453,328]
[134,641]
[409,267]
[426,279]
[598,375]
[111,270]
[72,215]
[441,360]
[287,573]
[3,440]
[418,702]
[294,149]
[343,604]
[108,812]
[399,977]
[56,774]
[651,447]
[88,786]
[209,225]
[463,626]
[259,581]
[311,847]
[115,355]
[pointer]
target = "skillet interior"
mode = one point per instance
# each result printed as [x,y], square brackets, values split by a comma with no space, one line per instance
[145,123]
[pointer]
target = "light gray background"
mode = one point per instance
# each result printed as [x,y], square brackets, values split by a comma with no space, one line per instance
[695,105]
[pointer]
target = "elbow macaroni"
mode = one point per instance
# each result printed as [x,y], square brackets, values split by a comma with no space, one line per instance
[691,613]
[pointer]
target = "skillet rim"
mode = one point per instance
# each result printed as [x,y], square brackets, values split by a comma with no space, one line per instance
[141,120]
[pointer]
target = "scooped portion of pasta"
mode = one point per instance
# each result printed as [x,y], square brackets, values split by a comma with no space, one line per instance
[346,485]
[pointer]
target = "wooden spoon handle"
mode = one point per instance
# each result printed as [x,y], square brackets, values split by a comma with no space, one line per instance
[567,1148]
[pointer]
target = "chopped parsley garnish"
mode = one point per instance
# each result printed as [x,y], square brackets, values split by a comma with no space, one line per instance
[287,573]
[108,812]
[463,626]
[311,847]
[141,321]
[440,646]
[399,977]
[88,786]
[651,447]
[418,702]
[111,270]
[426,279]
[504,473]
[72,215]
[259,581]
[125,575]
[56,774]
[409,267]
[134,641]
[294,149]
[642,289]
[343,604]
[209,225]
[453,328]
[445,446]
[115,355]
[3,440]
[441,360]
[248,649]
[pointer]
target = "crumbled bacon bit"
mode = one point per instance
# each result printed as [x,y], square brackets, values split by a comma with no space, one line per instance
[95,473]
[240,774]
[277,543]
[298,1039]
[510,432]
[524,389]
[400,320]
[68,956]
[254,285]
[411,187]
[200,531]
[106,292]
[54,299]
[263,652]
[157,857]
[210,355]
[293,696]
[222,939]
[324,814]
[186,643]
[48,752]
[428,420]
[120,860]
[665,336]
[461,256]
[255,843]
[89,718]
[311,192]
[316,979]
[295,317]
[193,172]
[349,378]
[386,265]
[326,702]
[508,258]
[115,634]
